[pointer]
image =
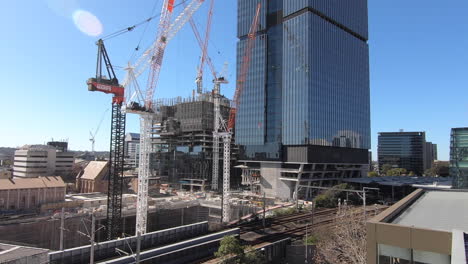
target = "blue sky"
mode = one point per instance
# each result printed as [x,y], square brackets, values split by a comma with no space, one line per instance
[418,58]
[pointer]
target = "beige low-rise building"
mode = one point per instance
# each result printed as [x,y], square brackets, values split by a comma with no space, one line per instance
[42,160]
[30,193]
[424,227]
[93,178]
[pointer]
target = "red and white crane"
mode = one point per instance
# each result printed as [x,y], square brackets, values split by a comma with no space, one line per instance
[141,103]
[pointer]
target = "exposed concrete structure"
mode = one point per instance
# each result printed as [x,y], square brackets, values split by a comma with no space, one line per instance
[183,139]
[42,160]
[419,229]
[93,178]
[30,193]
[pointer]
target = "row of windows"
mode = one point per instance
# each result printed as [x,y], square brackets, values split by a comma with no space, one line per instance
[31,161]
[30,166]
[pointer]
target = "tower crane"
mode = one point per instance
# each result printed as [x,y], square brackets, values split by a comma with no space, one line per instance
[227,135]
[219,123]
[92,136]
[143,105]
[199,79]
[116,158]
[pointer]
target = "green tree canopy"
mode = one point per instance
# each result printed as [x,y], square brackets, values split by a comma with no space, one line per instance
[231,251]
[396,172]
[385,168]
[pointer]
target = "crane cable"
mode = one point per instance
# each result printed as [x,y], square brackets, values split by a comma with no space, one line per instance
[131,28]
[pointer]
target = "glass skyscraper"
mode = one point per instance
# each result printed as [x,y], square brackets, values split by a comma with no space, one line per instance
[405,150]
[307,88]
[308,81]
[459,157]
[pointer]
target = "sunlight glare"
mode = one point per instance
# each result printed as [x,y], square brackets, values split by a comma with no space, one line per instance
[87,23]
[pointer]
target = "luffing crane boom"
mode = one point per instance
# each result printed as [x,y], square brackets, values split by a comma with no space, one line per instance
[144,106]
[244,69]
[204,55]
[101,83]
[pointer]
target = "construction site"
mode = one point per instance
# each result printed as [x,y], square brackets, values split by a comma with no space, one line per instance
[171,193]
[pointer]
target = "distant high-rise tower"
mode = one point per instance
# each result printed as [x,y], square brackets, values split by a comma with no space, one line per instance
[406,150]
[305,104]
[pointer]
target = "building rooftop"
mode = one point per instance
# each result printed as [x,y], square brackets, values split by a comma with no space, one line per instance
[439,210]
[94,169]
[36,147]
[132,136]
[417,182]
[31,183]
[13,252]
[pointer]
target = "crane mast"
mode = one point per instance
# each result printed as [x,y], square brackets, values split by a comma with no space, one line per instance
[111,85]
[145,108]
[227,135]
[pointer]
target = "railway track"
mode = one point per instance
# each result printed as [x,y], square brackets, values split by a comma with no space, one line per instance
[293,226]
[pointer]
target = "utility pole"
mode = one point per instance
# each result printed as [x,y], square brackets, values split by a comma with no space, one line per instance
[137,257]
[93,230]
[307,234]
[62,227]
[364,190]
[264,211]
[91,235]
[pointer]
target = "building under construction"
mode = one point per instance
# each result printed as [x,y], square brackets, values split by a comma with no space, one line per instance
[182,140]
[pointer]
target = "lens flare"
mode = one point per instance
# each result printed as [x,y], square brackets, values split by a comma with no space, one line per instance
[87,23]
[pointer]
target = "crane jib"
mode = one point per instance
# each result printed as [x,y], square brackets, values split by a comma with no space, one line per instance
[170,5]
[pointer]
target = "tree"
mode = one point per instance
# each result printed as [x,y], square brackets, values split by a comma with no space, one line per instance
[396,172]
[231,251]
[372,174]
[385,168]
[329,198]
[311,240]
[253,256]
[229,246]
[411,173]
[345,243]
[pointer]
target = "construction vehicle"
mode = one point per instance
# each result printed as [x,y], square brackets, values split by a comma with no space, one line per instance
[110,85]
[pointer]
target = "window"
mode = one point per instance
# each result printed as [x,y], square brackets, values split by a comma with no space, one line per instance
[396,255]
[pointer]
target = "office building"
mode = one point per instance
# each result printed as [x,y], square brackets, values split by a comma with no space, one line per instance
[459,157]
[406,150]
[42,160]
[132,150]
[430,153]
[304,110]
[424,227]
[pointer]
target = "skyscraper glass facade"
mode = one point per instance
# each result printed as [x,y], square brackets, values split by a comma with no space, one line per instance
[308,81]
[404,150]
[459,157]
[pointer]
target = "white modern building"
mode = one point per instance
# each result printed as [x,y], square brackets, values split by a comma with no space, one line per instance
[41,160]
